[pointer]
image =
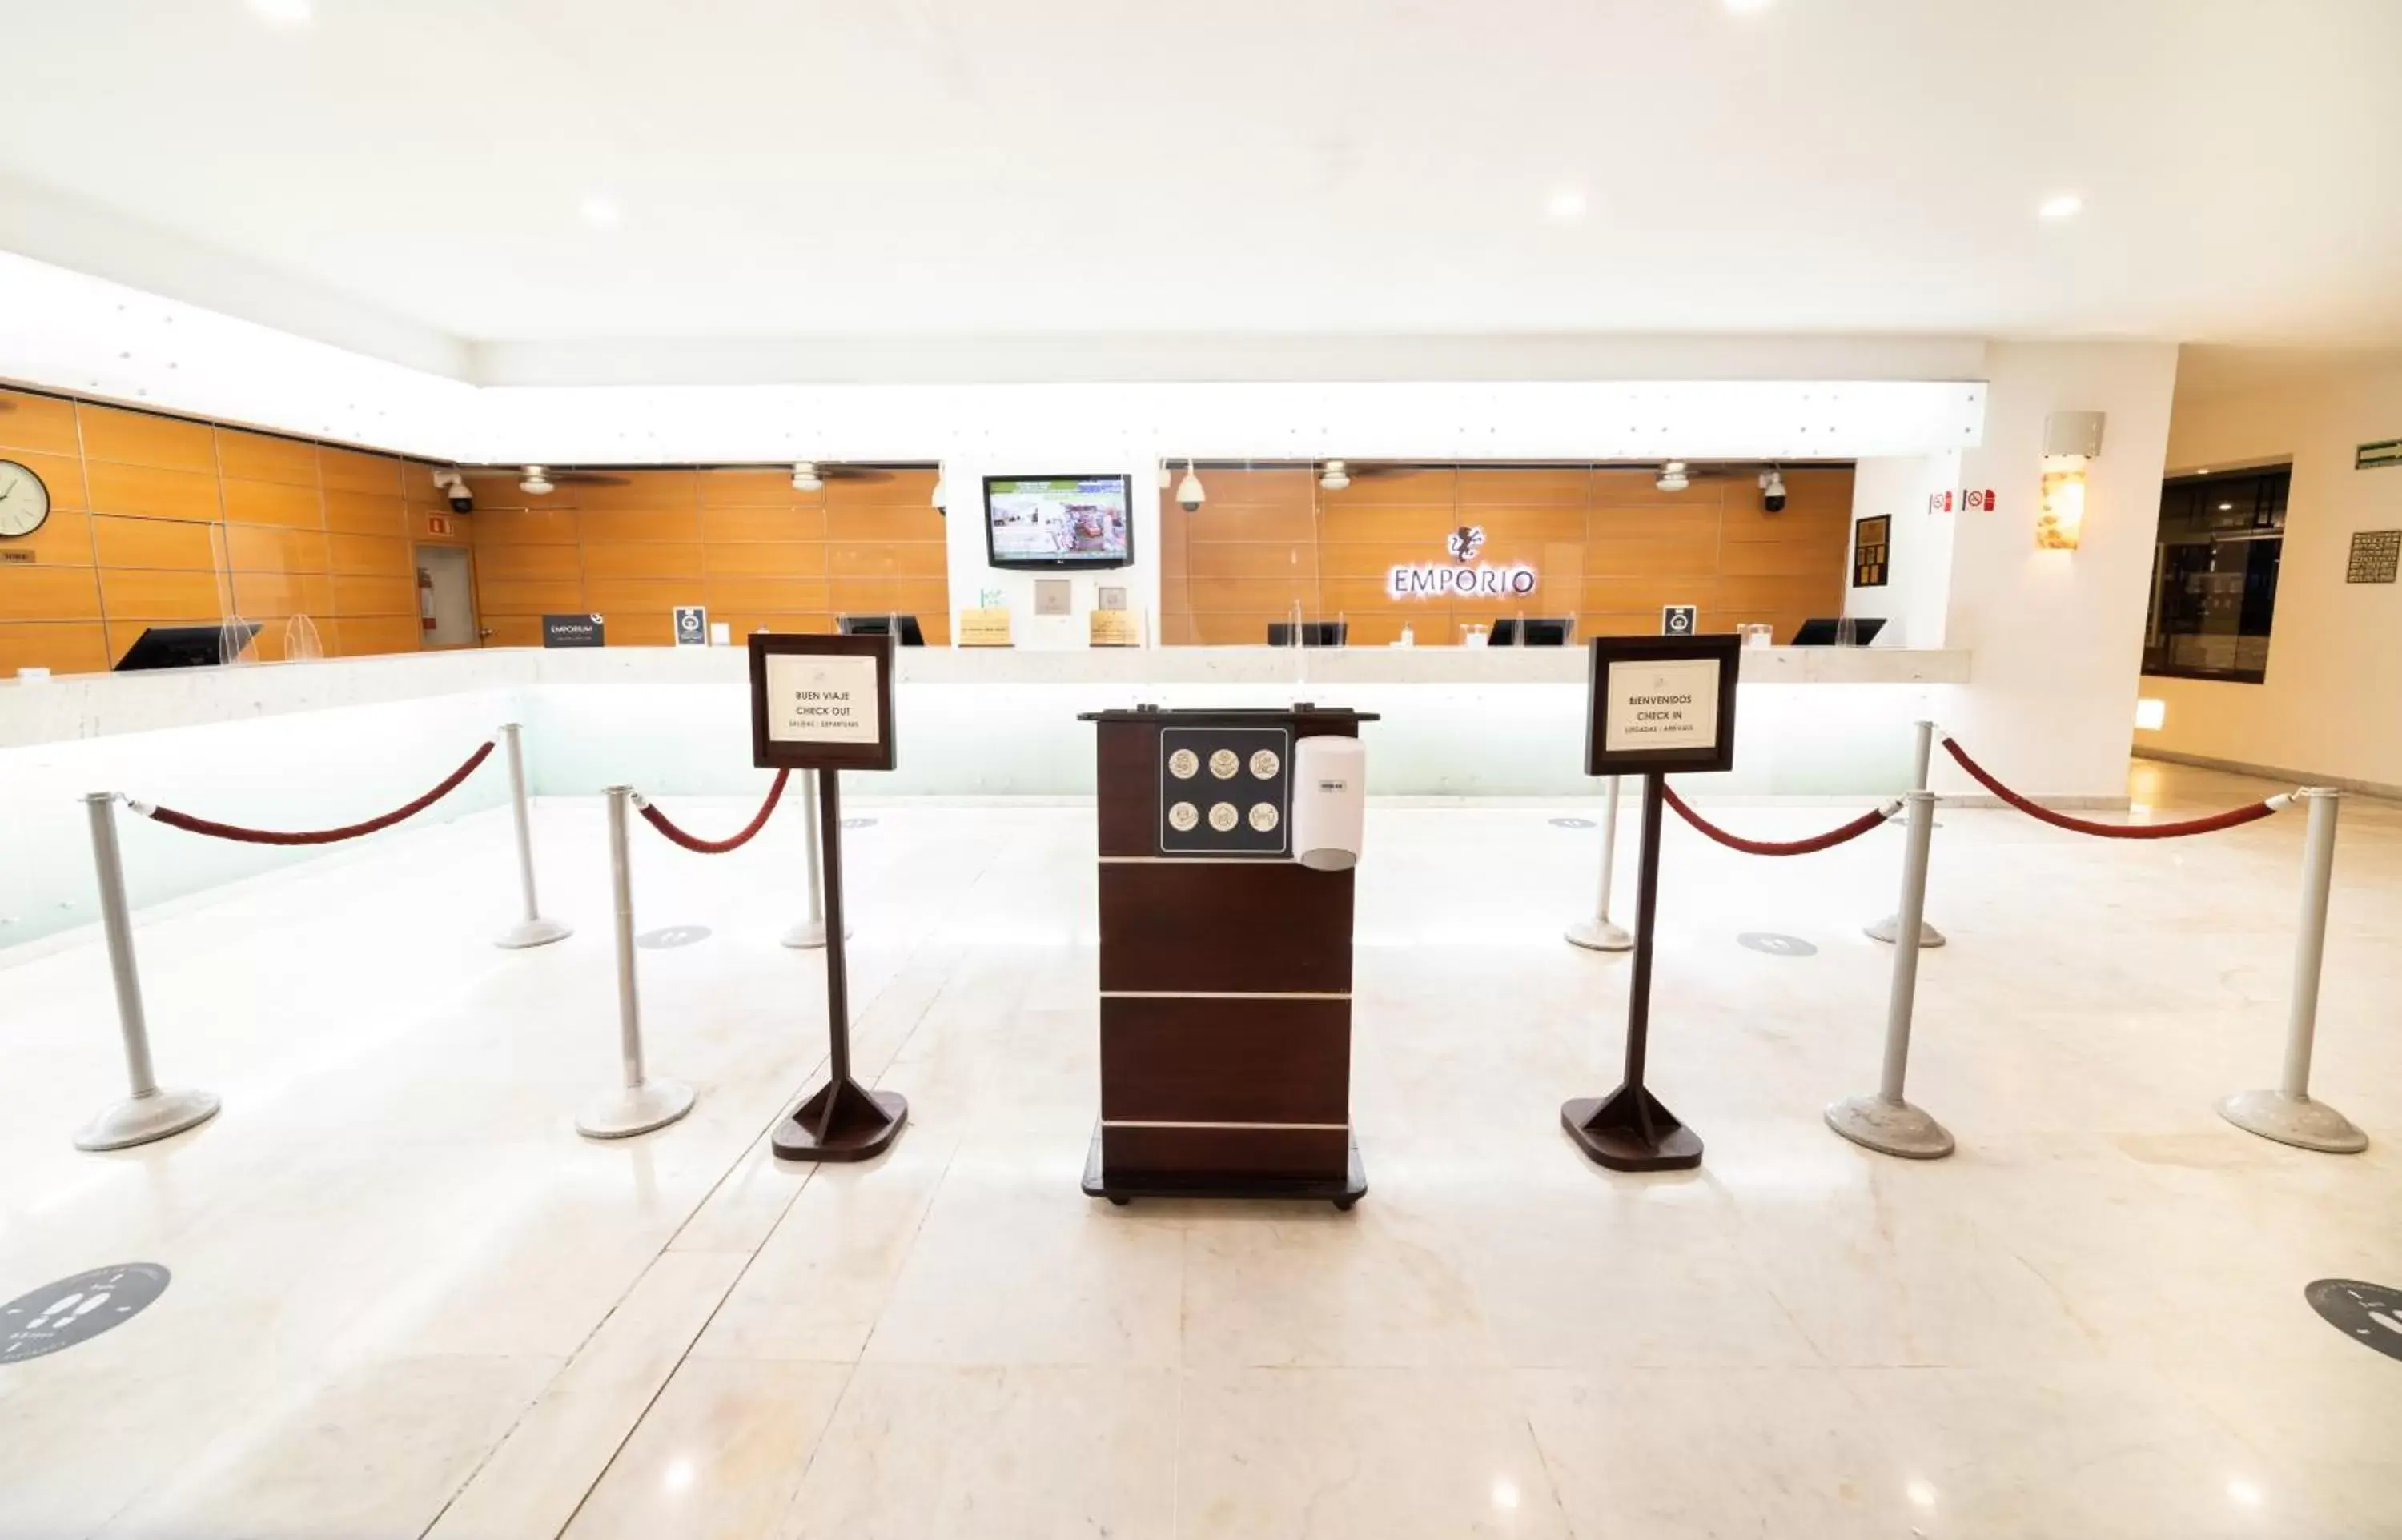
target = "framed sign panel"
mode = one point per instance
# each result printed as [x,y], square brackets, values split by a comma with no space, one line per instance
[1871,551]
[1661,704]
[821,703]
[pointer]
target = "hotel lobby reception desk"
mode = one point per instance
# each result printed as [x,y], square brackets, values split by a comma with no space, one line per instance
[1225,964]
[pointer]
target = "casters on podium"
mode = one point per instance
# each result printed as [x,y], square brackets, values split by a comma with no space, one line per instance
[843,1121]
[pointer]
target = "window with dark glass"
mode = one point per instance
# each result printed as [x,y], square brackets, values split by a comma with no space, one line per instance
[2215,574]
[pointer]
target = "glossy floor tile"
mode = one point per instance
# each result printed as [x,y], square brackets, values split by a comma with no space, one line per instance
[407,1299]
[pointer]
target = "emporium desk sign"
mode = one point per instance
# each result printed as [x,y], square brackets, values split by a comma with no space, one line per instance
[1432,580]
[1464,577]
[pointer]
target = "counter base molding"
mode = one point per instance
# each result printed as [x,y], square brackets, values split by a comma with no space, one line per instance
[1225,964]
[1102,1180]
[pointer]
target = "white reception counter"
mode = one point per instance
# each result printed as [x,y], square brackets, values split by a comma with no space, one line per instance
[294,745]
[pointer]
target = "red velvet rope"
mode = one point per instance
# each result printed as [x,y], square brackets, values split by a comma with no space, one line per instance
[2227,819]
[660,822]
[1832,838]
[316,837]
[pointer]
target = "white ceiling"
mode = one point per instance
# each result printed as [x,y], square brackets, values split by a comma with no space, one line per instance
[386,175]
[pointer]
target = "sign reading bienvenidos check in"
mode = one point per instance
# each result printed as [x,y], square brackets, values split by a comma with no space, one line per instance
[1660,704]
[821,702]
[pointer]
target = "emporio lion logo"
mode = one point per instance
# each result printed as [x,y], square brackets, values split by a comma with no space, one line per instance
[1466,541]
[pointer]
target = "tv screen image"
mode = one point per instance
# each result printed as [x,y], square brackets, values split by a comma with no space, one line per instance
[1058,521]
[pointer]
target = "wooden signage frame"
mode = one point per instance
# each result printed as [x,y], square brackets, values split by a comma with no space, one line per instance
[1725,650]
[883,754]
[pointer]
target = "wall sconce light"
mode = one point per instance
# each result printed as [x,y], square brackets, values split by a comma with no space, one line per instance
[2151,714]
[2060,515]
[2070,440]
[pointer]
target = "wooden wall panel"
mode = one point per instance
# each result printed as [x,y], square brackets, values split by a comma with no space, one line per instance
[1610,548]
[62,647]
[50,593]
[279,503]
[41,423]
[142,438]
[154,544]
[263,457]
[144,491]
[163,520]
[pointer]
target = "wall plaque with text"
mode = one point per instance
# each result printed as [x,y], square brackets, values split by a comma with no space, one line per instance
[821,702]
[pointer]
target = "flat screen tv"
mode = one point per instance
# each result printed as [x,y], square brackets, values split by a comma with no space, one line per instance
[1052,522]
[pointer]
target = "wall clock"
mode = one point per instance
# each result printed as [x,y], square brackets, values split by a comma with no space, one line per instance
[24,502]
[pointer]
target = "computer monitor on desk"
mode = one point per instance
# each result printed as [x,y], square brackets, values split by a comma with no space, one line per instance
[187,646]
[1314,633]
[1531,633]
[1828,631]
[881,625]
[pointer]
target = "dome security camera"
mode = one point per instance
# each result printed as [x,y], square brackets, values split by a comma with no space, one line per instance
[1772,491]
[536,483]
[1189,492]
[453,485]
[805,477]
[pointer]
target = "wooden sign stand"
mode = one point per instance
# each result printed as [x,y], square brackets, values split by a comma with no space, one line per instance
[1631,1129]
[807,714]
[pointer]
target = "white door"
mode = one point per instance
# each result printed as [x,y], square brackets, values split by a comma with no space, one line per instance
[446,597]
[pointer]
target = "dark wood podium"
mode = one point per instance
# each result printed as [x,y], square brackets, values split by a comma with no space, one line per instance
[1225,968]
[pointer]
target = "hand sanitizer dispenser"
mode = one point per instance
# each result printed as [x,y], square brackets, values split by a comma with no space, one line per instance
[1329,801]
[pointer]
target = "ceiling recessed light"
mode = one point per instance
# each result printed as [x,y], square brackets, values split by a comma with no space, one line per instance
[1746,8]
[602,213]
[1568,203]
[2061,206]
[283,12]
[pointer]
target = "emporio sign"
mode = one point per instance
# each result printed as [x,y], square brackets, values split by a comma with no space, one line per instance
[1464,576]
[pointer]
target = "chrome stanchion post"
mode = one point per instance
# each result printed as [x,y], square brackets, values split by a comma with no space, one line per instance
[1889,927]
[532,931]
[811,932]
[1886,1122]
[2288,1114]
[147,1112]
[1600,934]
[643,1103]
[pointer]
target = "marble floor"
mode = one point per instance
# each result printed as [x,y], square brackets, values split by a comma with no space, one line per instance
[408,1300]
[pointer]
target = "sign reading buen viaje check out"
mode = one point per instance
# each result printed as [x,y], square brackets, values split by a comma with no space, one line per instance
[821,702]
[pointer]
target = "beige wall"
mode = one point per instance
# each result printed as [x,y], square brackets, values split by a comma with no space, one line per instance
[2331,706]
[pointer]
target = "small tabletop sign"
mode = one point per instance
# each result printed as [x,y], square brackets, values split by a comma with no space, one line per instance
[820,701]
[572,631]
[983,627]
[1658,703]
[691,624]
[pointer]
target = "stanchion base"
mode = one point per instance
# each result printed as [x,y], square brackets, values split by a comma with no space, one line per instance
[1889,1128]
[2295,1121]
[843,1121]
[1629,1130]
[809,936]
[140,1119]
[1600,935]
[1888,928]
[639,1109]
[533,932]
